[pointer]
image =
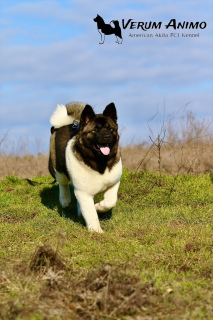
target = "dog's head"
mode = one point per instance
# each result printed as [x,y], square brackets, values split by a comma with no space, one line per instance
[98,132]
[97,18]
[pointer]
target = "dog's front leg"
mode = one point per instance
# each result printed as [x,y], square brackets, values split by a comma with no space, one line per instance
[102,37]
[110,199]
[87,208]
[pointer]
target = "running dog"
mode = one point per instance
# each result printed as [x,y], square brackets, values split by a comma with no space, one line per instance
[84,150]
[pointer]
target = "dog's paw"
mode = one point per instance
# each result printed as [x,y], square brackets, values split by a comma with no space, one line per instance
[95,226]
[64,201]
[97,206]
[103,206]
[95,229]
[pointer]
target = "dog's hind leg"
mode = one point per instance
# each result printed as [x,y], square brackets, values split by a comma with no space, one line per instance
[79,210]
[118,41]
[64,192]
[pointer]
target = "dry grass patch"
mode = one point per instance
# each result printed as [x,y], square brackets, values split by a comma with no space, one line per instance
[184,144]
[39,291]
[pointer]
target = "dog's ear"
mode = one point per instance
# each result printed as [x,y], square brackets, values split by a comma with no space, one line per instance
[87,115]
[110,111]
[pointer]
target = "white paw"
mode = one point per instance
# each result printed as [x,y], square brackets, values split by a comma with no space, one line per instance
[102,206]
[64,201]
[97,206]
[95,229]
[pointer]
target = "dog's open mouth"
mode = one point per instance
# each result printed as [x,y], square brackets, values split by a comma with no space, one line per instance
[104,149]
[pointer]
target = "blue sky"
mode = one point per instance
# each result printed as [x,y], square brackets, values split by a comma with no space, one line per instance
[50,54]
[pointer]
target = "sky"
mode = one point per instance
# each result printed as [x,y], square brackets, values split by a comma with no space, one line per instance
[50,54]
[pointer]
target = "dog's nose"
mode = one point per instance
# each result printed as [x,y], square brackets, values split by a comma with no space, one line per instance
[107,138]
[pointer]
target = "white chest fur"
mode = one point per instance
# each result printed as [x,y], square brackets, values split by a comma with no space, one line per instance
[88,180]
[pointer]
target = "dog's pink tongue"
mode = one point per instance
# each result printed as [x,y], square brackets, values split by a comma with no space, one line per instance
[105,150]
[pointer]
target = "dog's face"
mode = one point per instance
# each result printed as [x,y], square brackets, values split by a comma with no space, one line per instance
[98,133]
[97,18]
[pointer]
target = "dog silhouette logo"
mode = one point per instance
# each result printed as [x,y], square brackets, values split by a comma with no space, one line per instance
[107,29]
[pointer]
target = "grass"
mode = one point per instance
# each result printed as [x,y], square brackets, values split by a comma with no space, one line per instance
[154,260]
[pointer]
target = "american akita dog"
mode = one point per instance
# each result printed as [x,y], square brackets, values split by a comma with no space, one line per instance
[107,29]
[84,150]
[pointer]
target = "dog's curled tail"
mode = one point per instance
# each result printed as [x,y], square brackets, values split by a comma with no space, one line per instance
[65,114]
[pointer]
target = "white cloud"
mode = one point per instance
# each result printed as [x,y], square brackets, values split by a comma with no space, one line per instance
[137,75]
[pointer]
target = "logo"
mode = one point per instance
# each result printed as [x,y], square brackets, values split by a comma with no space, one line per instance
[141,27]
[108,29]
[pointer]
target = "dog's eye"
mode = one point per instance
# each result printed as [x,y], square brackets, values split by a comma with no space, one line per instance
[109,128]
[96,129]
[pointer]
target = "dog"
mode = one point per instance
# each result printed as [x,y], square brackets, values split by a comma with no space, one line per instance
[107,29]
[84,150]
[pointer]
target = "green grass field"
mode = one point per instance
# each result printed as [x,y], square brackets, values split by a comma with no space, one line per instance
[154,260]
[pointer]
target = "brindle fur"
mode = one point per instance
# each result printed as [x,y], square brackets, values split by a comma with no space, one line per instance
[93,129]
[83,147]
[59,140]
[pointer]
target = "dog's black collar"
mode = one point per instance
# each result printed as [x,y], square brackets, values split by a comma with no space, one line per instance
[75,125]
[52,130]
